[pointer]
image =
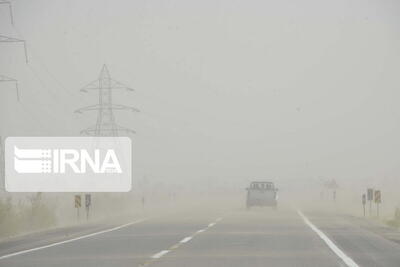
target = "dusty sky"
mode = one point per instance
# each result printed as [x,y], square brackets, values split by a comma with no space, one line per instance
[227,89]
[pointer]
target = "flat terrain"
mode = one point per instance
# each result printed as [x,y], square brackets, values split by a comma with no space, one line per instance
[208,237]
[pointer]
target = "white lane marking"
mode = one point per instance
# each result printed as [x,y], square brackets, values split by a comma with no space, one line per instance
[186,239]
[347,260]
[70,240]
[160,254]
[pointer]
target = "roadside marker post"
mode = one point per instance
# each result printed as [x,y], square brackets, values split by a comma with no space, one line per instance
[364,201]
[77,204]
[88,203]
[377,198]
[370,196]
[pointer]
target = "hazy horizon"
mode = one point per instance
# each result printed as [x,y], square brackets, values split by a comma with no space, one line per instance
[227,89]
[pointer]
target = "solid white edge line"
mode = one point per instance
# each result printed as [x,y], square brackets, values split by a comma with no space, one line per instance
[69,240]
[347,260]
[186,239]
[160,254]
[211,224]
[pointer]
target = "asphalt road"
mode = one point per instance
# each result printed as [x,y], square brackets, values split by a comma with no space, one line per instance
[260,237]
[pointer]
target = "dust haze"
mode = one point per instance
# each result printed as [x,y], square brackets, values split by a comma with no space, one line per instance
[300,93]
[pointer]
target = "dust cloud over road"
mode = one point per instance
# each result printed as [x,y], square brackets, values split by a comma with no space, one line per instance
[256,129]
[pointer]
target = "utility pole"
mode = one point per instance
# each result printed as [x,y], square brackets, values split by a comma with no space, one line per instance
[105,123]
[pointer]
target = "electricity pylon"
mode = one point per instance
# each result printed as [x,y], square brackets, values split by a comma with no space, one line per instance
[6,39]
[3,2]
[5,79]
[105,124]
[10,80]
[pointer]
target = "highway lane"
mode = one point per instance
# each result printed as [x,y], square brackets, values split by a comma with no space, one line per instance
[128,246]
[260,237]
[44,238]
[211,237]
[363,246]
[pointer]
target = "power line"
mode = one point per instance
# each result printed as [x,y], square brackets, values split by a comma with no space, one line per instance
[105,123]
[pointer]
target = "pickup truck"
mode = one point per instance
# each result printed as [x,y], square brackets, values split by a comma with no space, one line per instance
[262,194]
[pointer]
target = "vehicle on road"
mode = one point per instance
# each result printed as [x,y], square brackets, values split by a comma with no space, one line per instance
[262,194]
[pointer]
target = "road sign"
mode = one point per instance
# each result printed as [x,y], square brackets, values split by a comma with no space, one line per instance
[77,201]
[370,197]
[88,200]
[370,192]
[364,201]
[377,196]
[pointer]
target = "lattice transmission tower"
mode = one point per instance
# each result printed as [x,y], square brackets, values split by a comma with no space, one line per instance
[8,3]
[106,124]
[6,79]
[7,39]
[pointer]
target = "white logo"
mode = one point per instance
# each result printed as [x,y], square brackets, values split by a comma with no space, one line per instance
[58,160]
[68,164]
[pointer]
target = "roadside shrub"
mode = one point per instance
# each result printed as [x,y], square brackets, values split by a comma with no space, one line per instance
[395,222]
[25,216]
[9,224]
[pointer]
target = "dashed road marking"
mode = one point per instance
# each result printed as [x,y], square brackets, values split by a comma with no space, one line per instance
[70,240]
[346,259]
[186,239]
[160,254]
